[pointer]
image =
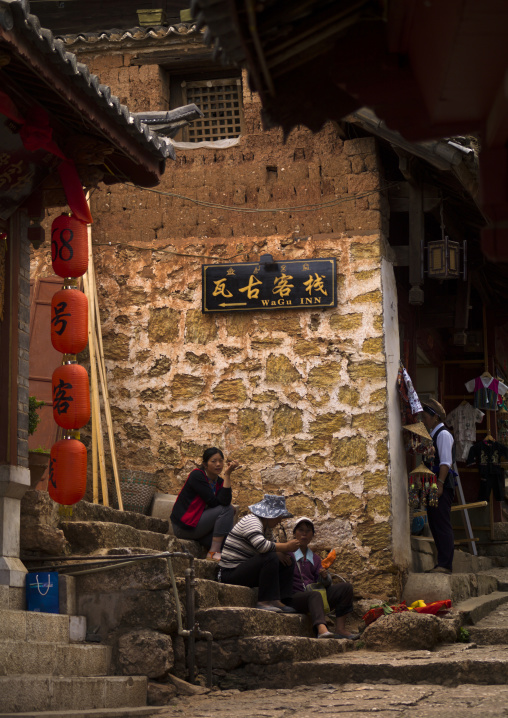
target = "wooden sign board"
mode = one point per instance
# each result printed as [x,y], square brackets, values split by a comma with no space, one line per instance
[269,284]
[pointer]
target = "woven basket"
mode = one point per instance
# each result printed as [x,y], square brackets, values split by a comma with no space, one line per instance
[138,489]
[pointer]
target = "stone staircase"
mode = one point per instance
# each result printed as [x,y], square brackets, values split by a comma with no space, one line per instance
[45,665]
[253,648]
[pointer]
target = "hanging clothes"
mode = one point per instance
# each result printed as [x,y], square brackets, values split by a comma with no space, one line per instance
[463,420]
[407,391]
[487,392]
[487,456]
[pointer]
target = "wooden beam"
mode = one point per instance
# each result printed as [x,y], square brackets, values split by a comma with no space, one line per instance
[462,304]
[416,236]
[401,256]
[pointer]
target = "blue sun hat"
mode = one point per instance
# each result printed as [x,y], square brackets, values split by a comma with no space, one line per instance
[271,507]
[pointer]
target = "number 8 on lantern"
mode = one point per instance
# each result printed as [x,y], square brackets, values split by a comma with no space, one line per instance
[69,246]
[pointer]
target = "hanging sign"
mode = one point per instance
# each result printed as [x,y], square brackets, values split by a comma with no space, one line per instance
[269,284]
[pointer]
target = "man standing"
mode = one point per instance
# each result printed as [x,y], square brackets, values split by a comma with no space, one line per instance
[439,516]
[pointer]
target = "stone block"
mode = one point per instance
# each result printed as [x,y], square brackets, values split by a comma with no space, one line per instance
[325,376]
[345,505]
[230,622]
[375,536]
[251,425]
[77,629]
[162,507]
[408,631]
[230,390]
[286,421]
[360,146]
[128,609]
[327,424]
[160,694]
[366,370]
[145,652]
[427,587]
[372,421]
[87,537]
[186,386]
[12,625]
[163,324]
[375,298]
[67,594]
[279,370]
[43,627]
[349,451]
[199,328]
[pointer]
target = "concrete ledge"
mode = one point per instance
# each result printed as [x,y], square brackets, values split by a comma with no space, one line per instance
[14,481]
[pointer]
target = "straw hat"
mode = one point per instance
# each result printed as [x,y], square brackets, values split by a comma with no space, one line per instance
[435,407]
[419,429]
[422,470]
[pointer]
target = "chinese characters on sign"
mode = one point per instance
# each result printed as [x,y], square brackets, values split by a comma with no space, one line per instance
[293,284]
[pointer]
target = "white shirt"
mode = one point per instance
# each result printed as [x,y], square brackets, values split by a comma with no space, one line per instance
[444,444]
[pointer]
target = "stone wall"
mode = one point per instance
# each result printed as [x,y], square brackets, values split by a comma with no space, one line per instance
[299,397]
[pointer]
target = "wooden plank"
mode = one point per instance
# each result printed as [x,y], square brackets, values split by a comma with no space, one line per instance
[458,507]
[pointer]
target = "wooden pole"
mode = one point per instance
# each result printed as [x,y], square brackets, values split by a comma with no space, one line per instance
[105,394]
[93,372]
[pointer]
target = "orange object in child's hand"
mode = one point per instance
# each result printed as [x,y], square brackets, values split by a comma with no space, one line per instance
[327,562]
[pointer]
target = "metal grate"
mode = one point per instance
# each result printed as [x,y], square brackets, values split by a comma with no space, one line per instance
[220,101]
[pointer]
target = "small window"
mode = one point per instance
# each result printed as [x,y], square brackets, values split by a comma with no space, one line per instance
[220,101]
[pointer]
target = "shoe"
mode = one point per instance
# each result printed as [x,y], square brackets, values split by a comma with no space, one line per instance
[287,609]
[267,607]
[352,637]
[213,556]
[328,634]
[439,569]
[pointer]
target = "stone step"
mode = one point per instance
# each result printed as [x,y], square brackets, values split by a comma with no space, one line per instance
[44,693]
[54,659]
[452,665]
[493,628]
[86,537]
[474,609]
[489,636]
[424,558]
[33,626]
[440,587]
[231,622]
[147,711]
[501,575]
[266,650]
[209,594]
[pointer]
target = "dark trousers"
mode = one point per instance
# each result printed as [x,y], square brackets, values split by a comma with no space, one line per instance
[340,598]
[441,527]
[274,579]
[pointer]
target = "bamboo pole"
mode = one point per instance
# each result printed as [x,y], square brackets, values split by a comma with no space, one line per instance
[95,477]
[97,334]
[93,371]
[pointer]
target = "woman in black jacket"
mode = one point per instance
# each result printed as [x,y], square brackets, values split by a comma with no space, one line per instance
[203,510]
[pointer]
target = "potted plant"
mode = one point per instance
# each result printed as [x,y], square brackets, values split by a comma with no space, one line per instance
[37,458]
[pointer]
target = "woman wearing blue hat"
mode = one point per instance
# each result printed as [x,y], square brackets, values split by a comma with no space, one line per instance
[251,558]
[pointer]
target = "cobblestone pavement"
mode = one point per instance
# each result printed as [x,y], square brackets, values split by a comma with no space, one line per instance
[385,701]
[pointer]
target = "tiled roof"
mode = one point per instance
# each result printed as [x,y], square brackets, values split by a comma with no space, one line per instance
[28,26]
[136,34]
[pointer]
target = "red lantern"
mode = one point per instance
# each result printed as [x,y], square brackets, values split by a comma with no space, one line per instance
[69,246]
[71,396]
[67,472]
[69,321]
